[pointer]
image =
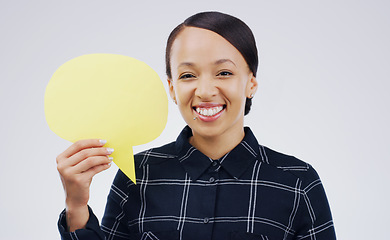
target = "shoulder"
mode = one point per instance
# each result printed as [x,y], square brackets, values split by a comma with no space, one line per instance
[155,155]
[288,164]
[282,161]
[159,164]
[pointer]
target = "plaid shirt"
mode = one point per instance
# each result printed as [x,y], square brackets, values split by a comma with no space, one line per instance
[252,192]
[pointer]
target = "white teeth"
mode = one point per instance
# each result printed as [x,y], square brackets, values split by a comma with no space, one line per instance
[209,111]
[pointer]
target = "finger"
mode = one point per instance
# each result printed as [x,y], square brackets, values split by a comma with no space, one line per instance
[68,166]
[87,153]
[97,169]
[91,162]
[80,145]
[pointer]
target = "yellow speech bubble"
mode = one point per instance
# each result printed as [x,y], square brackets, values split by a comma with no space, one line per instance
[107,96]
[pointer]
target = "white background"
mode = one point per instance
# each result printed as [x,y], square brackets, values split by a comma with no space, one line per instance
[323,96]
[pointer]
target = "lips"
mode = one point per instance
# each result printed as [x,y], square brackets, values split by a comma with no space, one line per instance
[209,112]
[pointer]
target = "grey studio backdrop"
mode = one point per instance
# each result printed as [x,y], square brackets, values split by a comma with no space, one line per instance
[323,96]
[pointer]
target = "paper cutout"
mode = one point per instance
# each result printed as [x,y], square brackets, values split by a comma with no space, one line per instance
[107,96]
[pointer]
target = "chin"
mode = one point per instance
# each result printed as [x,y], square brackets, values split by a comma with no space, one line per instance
[207,130]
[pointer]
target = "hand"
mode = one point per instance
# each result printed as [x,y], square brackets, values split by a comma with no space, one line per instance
[77,165]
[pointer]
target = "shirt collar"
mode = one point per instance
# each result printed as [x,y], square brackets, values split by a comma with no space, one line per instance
[234,162]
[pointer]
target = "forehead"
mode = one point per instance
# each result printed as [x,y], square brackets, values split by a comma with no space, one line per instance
[202,46]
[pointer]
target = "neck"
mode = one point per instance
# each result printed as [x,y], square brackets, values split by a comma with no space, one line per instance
[216,147]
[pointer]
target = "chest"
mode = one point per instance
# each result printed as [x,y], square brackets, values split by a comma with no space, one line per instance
[215,206]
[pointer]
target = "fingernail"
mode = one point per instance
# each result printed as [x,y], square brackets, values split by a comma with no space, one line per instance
[110,158]
[102,141]
[110,150]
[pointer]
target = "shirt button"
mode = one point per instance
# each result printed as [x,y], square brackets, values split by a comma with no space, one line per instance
[215,163]
[211,180]
[206,220]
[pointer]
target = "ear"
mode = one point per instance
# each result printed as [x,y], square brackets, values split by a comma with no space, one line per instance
[171,89]
[251,86]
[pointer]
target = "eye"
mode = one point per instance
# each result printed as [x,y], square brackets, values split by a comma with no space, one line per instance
[187,76]
[224,73]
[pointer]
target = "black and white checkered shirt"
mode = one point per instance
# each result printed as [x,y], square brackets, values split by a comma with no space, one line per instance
[252,192]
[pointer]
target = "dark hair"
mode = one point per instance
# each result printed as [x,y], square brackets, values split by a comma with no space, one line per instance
[230,28]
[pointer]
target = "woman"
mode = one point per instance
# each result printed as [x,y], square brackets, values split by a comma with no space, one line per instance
[215,181]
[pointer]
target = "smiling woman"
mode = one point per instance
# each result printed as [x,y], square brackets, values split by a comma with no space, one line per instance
[215,181]
[210,81]
[232,29]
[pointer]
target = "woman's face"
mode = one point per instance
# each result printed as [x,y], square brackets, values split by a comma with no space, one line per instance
[210,81]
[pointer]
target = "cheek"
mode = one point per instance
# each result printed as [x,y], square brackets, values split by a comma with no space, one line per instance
[236,90]
[183,93]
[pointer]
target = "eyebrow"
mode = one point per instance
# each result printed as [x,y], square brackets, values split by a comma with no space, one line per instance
[220,61]
[186,64]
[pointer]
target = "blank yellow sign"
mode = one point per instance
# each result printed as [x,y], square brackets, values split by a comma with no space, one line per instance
[107,96]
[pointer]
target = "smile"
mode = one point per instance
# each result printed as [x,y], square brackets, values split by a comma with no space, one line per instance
[208,112]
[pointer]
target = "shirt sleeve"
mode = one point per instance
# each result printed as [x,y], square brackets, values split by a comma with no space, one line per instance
[315,220]
[91,231]
[114,220]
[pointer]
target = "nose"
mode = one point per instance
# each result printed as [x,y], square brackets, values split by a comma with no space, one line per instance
[206,88]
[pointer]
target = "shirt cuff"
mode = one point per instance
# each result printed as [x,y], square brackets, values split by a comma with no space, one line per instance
[91,231]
